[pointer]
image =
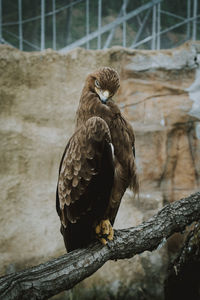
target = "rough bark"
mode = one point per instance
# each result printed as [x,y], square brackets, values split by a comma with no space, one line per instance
[50,278]
[183,281]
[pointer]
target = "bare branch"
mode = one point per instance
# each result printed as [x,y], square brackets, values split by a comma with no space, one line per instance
[183,280]
[50,278]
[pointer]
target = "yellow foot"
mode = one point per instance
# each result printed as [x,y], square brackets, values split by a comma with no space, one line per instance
[104,231]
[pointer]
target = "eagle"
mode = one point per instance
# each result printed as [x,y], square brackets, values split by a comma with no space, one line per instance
[97,166]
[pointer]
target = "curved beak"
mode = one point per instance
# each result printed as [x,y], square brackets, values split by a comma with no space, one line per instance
[103,95]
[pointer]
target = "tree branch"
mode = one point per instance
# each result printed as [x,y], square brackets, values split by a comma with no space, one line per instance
[50,278]
[183,280]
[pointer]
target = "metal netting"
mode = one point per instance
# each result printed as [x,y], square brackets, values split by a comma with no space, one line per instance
[98,24]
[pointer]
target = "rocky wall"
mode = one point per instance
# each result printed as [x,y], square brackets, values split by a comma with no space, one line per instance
[39,94]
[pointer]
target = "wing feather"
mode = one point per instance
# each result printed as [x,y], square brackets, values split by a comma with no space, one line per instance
[80,163]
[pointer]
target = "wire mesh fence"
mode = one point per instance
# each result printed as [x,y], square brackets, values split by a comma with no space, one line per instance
[98,24]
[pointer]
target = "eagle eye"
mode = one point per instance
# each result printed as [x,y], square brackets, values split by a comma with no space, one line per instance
[97,84]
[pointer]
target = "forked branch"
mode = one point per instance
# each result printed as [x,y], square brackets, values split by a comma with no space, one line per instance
[52,277]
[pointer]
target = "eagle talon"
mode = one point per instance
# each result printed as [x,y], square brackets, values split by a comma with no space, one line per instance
[104,236]
[104,231]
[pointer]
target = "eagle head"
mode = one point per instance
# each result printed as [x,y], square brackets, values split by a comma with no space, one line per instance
[105,83]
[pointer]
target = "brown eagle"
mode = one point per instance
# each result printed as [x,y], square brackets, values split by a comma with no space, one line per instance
[97,166]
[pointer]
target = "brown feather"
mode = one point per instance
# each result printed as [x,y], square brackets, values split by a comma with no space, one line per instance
[87,162]
[75,175]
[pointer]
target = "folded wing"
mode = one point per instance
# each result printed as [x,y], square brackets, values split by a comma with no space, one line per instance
[86,175]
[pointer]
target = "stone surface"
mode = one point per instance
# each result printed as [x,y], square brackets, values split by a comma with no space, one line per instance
[39,94]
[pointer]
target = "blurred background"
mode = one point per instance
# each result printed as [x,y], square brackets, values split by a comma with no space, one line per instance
[157,55]
[98,24]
